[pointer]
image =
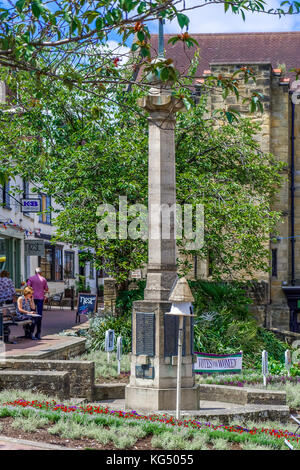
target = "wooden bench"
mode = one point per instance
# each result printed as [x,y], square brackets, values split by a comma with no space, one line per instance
[8,318]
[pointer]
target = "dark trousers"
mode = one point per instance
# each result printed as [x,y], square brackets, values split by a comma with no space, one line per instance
[39,303]
[29,329]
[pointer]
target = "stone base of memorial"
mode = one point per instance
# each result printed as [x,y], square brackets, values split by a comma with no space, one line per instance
[154,360]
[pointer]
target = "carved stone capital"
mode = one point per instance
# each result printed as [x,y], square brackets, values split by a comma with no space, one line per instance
[161,100]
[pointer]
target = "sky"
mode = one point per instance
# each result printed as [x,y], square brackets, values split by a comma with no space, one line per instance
[212,19]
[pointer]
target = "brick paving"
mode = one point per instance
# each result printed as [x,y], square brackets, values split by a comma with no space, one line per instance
[54,321]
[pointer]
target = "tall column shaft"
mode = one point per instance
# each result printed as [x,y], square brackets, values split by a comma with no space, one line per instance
[161,206]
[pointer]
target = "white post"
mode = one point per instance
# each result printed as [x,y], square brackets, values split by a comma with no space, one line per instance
[288,361]
[109,342]
[179,358]
[119,353]
[265,370]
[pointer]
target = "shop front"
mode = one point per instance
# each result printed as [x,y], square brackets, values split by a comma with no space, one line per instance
[10,257]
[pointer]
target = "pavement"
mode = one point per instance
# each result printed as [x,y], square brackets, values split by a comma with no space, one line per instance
[9,443]
[54,321]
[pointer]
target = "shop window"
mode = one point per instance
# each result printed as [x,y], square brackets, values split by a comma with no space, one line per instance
[3,254]
[46,263]
[58,263]
[5,195]
[52,263]
[92,276]
[10,258]
[45,217]
[69,266]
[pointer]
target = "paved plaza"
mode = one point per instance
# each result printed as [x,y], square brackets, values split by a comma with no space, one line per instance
[54,322]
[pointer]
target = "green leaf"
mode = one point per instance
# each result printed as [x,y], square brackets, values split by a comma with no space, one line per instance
[37,8]
[164,73]
[99,23]
[173,40]
[145,52]
[4,177]
[135,46]
[20,5]
[73,26]
[4,15]
[141,36]
[142,8]
[91,16]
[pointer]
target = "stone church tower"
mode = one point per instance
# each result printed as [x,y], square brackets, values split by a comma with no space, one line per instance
[277,294]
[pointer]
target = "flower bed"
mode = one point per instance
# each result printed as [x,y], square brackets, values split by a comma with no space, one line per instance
[164,419]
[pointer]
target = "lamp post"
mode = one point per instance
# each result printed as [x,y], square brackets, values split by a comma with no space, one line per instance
[181,298]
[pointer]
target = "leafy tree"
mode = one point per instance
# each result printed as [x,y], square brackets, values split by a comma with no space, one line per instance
[66,40]
[54,29]
[85,154]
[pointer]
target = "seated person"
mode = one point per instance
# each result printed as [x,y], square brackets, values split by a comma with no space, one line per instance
[25,307]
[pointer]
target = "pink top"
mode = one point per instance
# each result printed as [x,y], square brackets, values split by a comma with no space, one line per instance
[39,285]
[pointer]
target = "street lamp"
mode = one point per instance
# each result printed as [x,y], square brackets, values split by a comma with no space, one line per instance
[181,298]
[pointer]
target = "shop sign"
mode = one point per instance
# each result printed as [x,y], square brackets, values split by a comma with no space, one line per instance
[31,205]
[34,248]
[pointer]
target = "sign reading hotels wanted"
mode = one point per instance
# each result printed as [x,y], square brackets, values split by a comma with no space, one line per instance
[209,363]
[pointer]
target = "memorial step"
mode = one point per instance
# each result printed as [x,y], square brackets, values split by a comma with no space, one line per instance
[51,383]
[109,391]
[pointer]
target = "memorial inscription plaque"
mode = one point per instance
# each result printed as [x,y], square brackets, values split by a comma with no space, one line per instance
[144,372]
[171,327]
[145,333]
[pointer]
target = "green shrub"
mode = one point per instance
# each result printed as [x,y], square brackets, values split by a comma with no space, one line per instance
[272,344]
[30,424]
[126,298]
[211,296]
[102,367]
[120,324]
[224,324]
[98,327]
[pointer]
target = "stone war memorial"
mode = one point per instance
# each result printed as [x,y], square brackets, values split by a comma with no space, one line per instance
[154,334]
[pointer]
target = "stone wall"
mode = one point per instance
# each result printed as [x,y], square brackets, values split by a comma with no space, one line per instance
[241,396]
[109,391]
[110,295]
[51,383]
[285,335]
[81,373]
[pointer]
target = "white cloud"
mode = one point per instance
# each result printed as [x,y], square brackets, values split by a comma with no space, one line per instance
[118,51]
[112,48]
[212,19]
